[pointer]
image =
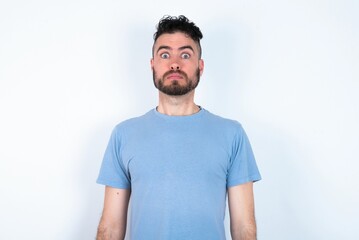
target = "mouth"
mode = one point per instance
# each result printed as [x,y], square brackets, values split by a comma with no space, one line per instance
[174,76]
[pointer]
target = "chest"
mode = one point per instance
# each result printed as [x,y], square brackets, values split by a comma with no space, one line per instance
[177,157]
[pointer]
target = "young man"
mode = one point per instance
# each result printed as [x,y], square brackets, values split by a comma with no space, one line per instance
[178,161]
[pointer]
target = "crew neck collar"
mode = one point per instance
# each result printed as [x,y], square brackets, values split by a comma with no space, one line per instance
[170,117]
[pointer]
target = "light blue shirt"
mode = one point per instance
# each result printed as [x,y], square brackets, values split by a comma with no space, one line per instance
[178,169]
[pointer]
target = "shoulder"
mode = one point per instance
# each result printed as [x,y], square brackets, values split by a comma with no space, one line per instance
[225,124]
[134,121]
[132,125]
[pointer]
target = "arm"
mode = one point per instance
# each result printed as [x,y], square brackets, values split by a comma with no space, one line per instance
[114,217]
[241,211]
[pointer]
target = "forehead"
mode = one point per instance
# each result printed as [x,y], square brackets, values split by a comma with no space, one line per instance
[174,40]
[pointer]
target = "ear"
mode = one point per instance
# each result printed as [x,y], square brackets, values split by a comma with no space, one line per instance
[151,63]
[201,66]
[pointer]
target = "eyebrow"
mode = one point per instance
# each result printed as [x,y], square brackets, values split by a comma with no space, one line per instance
[169,48]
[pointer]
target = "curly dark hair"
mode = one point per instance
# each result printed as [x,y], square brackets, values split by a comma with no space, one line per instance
[172,24]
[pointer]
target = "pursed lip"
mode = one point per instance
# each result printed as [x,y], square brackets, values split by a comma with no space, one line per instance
[174,76]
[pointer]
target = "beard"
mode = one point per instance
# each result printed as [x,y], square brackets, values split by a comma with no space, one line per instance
[175,89]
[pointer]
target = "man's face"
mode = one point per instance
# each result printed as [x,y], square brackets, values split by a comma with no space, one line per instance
[175,64]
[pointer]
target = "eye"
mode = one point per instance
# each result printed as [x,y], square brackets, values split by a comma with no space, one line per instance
[165,55]
[185,56]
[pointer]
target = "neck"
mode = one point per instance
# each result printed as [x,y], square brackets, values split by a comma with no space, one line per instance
[177,105]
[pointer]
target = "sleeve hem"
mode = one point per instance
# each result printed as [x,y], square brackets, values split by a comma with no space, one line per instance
[238,181]
[113,184]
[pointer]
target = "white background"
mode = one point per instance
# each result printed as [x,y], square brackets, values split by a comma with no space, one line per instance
[287,70]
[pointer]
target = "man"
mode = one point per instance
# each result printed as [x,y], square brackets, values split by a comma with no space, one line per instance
[178,161]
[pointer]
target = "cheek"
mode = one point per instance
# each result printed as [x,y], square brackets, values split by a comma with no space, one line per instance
[157,70]
[158,65]
[194,68]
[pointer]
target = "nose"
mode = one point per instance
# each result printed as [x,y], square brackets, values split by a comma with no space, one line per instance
[175,66]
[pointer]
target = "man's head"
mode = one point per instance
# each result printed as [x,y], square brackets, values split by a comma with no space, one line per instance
[176,63]
[172,24]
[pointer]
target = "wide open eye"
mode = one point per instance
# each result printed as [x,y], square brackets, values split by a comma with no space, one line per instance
[165,55]
[185,56]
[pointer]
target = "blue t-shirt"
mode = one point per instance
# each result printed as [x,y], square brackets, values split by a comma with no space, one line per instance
[178,169]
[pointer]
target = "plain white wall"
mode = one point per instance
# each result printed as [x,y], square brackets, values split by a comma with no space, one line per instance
[287,70]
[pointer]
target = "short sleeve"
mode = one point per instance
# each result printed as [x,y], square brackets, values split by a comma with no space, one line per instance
[243,167]
[113,173]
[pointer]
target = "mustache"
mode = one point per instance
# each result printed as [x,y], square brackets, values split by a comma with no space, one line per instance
[175,71]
